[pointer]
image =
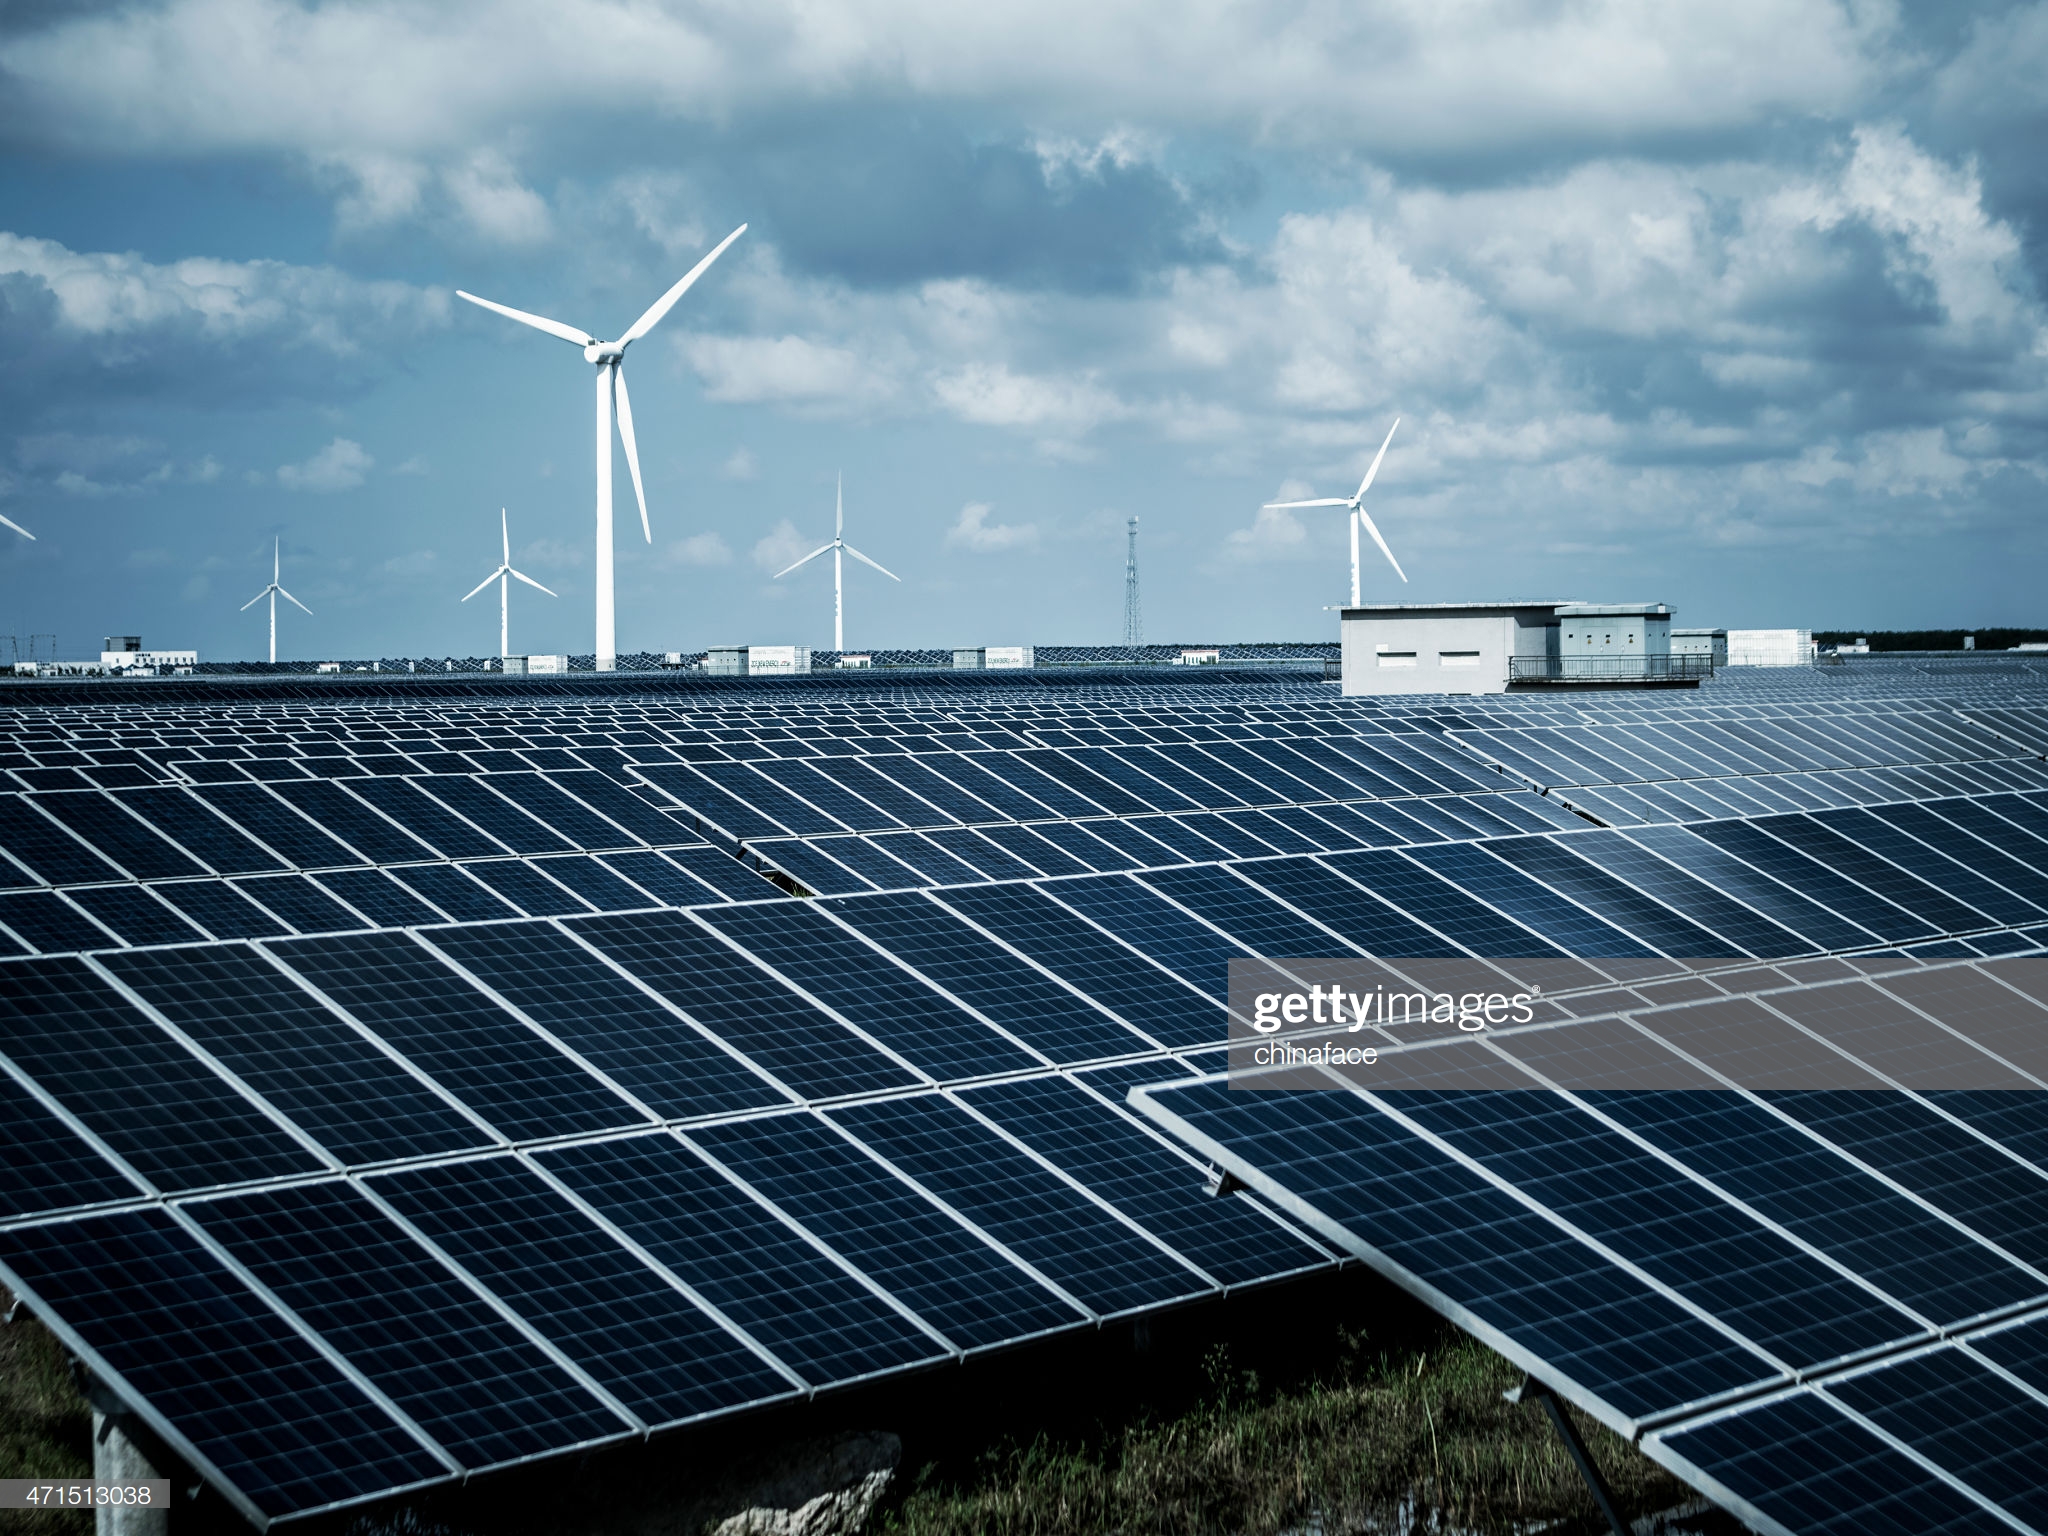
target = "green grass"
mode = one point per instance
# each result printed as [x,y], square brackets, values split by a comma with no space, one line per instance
[45,1426]
[1382,1438]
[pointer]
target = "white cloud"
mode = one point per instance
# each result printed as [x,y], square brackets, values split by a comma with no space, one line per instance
[411,567]
[72,483]
[781,546]
[340,466]
[551,555]
[491,198]
[739,465]
[973,531]
[698,550]
[1274,535]
[785,370]
[105,295]
[989,394]
[362,79]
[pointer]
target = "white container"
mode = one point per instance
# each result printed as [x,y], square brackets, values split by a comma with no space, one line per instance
[994,658]
[1770,647]
[778,660]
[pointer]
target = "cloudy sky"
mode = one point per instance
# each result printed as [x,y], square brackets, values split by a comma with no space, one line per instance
[1737,304]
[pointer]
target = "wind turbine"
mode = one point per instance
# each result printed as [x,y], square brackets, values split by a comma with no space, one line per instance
[503,571]
[10,522]
[608,356]
[840,548]
[1358,515]
[274,592]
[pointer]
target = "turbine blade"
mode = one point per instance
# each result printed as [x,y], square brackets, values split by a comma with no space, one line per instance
[505,528]
[625,414]
[568,333]
[822,549]
[839,506]
[472,592]
[293,601]
[522,576]
[1366,483]
[10,522]
[256,599]
[864,560]
[1366,518]
[662,305]
[1320,501]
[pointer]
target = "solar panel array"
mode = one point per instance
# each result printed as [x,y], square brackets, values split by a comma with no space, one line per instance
[1827,1308]
[403,1089]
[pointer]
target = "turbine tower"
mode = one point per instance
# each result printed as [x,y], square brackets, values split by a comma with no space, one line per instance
[1134,618]
[840,548]
[501,576]
[10,522]
[274,592]
[611,383]
[1358,515]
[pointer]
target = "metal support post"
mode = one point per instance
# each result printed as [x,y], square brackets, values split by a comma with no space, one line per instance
[1602,1495]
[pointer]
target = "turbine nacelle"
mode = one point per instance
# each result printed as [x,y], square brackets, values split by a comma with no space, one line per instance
[602,352]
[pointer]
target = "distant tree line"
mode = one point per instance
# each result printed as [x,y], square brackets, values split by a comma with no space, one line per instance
[1929,639]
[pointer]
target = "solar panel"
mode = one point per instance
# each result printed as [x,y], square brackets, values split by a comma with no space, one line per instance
[767,1145]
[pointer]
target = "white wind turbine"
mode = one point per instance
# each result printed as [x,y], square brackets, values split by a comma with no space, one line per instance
[1358,515]
[839,548]
[10,522]
[500,576]
[274,592]
[608,355]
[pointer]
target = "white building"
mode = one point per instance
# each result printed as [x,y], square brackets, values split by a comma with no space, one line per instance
[1444,647]
[757,660]
[1489,647]
[993,658]
[1770,647]
[1711,643]
[124,653]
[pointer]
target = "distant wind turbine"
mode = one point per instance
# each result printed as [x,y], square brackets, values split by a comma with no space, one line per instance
[1358,515]
[839,548]
[274,592]
[500,576]
[10,522]
[611,382]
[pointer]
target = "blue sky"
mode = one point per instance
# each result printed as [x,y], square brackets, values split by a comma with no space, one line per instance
[1737,305]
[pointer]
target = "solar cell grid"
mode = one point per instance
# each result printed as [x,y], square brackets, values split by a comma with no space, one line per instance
[286,1428]
[477,803]
[452,891]
[131,1084]
[793,1040]
[468,1376]
[869,991]
[787,1293]
[640,1337]
[1092,1255]
[330,1081]
[279,827]
[605,1019]
[518,1082]
[355,823]
[966,1286]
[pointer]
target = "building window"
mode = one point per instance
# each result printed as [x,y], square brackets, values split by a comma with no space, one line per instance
[1457,658]
[1397,658]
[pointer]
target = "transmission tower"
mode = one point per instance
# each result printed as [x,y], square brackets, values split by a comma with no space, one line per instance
[1134,616]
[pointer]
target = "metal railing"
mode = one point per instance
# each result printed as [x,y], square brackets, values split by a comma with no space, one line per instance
[1609,669]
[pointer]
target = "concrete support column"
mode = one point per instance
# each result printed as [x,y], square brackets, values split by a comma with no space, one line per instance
[117,1459]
